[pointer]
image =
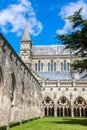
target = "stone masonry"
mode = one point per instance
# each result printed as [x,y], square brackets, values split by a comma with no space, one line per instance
[20,91]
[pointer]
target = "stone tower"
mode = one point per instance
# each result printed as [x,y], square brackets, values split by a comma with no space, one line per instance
[26,47]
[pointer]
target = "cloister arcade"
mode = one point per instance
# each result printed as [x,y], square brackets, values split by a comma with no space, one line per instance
[80,107]
[63,107]
[48,107]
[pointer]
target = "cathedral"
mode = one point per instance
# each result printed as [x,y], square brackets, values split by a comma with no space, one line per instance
[40,82]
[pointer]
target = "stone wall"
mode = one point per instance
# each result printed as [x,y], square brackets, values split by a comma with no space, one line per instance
[20,92]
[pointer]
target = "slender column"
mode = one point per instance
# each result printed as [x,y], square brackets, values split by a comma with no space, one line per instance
[50,111]
[67,112]
[55,107]
[63,112]
[84,112]
[55,111]
[76,111]
[80,112]
[59,111]
[72,111]
[47,111]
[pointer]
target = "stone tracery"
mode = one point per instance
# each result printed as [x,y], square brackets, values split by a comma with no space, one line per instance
[48,106]
[80,107]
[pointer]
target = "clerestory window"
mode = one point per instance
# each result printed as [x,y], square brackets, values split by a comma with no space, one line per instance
[39,66]
[51,66]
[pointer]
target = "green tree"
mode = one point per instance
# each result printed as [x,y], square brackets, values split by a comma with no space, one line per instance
[76,41]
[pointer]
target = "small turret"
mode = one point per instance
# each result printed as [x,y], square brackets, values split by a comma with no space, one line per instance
[26,47]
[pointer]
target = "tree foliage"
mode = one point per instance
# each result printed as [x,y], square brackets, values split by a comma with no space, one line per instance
[76,40]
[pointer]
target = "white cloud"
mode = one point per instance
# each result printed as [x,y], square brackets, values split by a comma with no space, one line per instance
[12,19]
[68,10]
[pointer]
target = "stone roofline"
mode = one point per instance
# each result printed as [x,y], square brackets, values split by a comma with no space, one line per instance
[50,56]
[47,45]
[16,55]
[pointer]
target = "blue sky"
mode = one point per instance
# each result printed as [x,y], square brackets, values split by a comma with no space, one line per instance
[46,18]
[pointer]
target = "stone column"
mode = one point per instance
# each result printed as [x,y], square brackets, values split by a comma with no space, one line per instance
[55,111]
[80,112]
[72,111]
[50,111]
[84,112]
[47,111]
[71,105]
[59,111]
[63,112]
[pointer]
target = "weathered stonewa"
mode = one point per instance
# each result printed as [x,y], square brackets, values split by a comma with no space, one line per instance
[63,92]
[20,96]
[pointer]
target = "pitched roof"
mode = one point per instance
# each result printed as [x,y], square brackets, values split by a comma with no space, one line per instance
[55,75]
[50,50]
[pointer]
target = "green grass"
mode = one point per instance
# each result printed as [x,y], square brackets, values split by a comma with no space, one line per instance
[53,123]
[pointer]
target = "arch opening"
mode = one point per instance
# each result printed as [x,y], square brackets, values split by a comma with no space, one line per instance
[48,107]
[80,107]
[63,107]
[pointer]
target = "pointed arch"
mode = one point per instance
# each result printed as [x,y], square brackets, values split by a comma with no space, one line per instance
[63,99]
[42,67]
[39,65]
[48,66]
[79,99]
[80,107]
[48,99]
[48,106]
[35,66]
[63,107]
[68,66]
[61,66]
[65,65]
[54,66]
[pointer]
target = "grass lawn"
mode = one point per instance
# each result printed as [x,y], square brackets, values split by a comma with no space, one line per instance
[53,123]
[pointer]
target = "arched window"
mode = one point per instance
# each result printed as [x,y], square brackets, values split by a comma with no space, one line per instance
[48,107]
[63,107]
[54,66]
[51,65]
[38,65]
[68,66]
[48,66]
[65,65]
[41,66]
[62,66]
[80,107]
[35,66]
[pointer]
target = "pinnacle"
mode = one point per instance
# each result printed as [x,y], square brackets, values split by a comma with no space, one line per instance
[26,35]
